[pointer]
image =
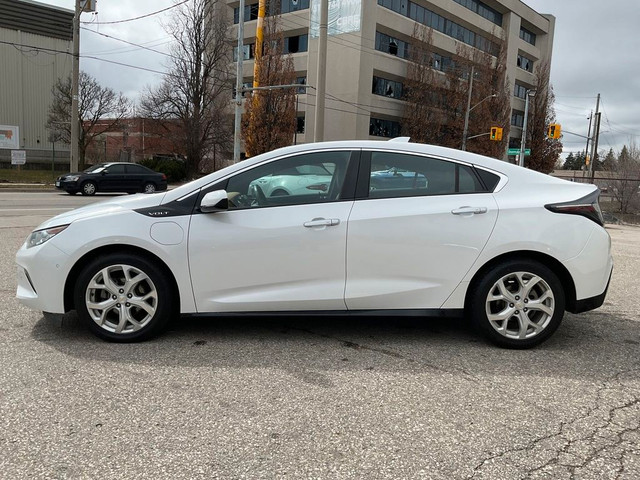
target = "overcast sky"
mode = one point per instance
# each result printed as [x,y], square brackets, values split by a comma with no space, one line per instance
[596,50]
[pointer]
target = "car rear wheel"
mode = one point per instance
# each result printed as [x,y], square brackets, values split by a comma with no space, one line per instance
[517,304]
[149,187]
[124,298]
[89,188]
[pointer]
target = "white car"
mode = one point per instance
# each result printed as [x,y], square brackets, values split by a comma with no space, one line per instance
[510,247]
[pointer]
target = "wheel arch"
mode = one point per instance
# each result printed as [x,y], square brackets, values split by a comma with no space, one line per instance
[115,249]
[554,265]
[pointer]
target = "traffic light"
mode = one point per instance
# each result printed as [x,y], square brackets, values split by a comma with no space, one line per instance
[554,130]
[496,133]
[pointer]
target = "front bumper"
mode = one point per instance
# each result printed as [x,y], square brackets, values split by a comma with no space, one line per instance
[41,276]
[66,185]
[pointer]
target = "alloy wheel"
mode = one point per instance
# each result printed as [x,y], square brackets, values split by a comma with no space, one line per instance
[520,305]
[121,299]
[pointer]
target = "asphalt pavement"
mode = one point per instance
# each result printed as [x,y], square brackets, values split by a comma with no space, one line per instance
[325,398]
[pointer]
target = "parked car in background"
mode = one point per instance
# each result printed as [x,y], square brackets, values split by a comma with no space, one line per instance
[445,233]
[113,177]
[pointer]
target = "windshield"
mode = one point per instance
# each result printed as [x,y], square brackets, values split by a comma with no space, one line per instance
[95,168]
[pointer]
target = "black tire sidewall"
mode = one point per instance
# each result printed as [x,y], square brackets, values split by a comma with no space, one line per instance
[164,310]
[480,291]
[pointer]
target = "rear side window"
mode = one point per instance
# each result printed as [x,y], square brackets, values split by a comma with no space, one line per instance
[489,179]
[405,175]
[136,169]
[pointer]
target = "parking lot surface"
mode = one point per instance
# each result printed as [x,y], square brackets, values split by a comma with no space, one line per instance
[316,397]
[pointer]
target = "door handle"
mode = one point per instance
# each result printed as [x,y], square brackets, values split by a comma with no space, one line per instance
[466,210]
[322,222]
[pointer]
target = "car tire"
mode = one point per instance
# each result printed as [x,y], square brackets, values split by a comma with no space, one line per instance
[517,304]
[149,187]
[124,298]
[89,188]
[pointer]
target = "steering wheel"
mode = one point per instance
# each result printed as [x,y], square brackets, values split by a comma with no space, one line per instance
[256,192]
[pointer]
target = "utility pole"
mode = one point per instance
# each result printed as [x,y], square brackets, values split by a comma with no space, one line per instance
[596,134]
[593,143]
[530,94]
[322,72]
[466,116]
[586,151]
[75,122]
[238,107]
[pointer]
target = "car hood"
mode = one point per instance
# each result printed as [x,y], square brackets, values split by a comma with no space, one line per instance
[105,207]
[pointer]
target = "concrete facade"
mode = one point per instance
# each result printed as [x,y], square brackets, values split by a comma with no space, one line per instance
[353,111]
[35,50]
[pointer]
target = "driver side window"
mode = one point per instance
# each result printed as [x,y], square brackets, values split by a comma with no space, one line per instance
[300,179]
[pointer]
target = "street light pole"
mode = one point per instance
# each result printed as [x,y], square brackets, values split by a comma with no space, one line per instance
[530,94]
[466,120]
[237,133]
[466,115]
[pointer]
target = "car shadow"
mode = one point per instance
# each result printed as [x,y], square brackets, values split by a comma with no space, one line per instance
[587,346]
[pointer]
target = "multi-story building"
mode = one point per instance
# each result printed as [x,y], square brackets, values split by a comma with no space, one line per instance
[367,54]
[35,51]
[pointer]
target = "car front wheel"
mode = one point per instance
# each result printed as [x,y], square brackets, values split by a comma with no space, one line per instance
[517,304]
[124,298]
[89,188]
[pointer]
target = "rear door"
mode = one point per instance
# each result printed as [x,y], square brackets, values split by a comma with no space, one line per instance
[410,244]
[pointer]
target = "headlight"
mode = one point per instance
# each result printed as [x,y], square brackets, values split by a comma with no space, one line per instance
[72,178]
[38,237]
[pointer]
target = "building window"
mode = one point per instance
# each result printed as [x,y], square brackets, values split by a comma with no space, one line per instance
[527,36]
[250,13]
[525,63]
[245,85]
[520,91]
[300,124]
[383,128]
[438,22]
[392,46]
[301,81]
[295,44]
[517,118]
[248,49]
[387,88]
[483,10]
[287,6]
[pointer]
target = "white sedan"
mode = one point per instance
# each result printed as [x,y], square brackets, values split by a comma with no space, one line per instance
[464,234]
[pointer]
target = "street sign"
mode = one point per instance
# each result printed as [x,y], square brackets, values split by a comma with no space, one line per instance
[18,157]
[516,151]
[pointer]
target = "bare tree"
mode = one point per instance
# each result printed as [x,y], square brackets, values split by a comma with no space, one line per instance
[490,78]
[196,91]
[544,151]
[269,121]
[422,117]
[437,91]
[100,110]
[625,184]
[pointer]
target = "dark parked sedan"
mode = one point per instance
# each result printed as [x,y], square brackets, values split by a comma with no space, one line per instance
[113,177]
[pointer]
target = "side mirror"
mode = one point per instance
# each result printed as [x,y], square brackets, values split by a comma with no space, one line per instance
[104,172]
[215,201]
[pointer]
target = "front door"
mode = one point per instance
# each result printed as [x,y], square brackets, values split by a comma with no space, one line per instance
[276,249]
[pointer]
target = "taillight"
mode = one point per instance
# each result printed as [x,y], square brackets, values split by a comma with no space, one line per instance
[164,177]
[586,206]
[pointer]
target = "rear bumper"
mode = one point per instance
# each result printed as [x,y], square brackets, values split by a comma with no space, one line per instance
[591,303]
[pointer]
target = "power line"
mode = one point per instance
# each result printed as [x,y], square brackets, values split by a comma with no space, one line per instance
[137,18]
[129,43]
